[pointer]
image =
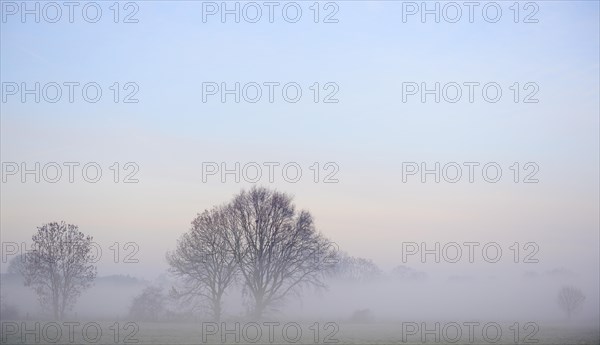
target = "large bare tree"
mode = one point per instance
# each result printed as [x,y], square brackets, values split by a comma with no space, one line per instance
[203,261]
[277,249]
[570,299]
[59,267]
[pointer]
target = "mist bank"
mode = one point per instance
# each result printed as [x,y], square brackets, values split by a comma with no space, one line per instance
[411,296]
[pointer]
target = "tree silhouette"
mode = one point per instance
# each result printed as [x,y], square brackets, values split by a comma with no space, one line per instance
[570,299]
[148,305]
[355,269]
[277,249]
[59,267]
[260,238]
[17,264]
[203,261]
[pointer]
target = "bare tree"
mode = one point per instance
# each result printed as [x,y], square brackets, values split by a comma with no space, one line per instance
[59,267]
[17,264]
[570,299]
[355,269]
[406,273]
[148,305]
[203,261]
[278,250]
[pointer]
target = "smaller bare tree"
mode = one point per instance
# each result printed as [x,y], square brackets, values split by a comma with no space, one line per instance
[355,269]
[148,305]
[203,261]
[17,264]
[570,299]
[406,273]
[59,267]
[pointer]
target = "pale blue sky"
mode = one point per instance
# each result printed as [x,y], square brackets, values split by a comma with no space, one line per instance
[369,53]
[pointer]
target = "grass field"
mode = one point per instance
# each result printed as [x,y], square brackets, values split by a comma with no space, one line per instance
[91,332]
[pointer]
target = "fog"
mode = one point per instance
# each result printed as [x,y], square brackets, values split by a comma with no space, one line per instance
[452,287]
[352,172]
[530,295]
[371,309]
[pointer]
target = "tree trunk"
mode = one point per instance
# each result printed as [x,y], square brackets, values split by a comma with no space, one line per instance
[55,307]
[216,309]
[259,307]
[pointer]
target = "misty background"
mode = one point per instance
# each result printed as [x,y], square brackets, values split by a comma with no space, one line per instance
[370,212]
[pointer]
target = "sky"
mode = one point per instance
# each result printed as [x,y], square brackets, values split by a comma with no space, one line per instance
[169,135]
